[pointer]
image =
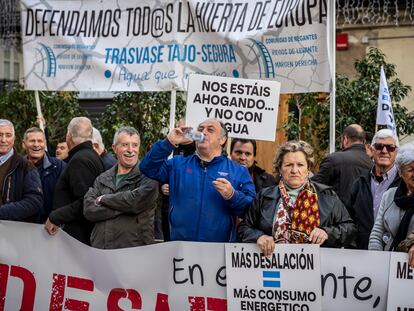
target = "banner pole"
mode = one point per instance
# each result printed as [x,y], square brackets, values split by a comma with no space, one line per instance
[172,108]
[39,111]
[332,58]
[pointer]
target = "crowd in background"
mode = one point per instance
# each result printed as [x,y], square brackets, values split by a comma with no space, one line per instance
[361,197]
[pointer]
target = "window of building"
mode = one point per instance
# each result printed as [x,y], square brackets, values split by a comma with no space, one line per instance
[7,70]
[7,54]
[16,69]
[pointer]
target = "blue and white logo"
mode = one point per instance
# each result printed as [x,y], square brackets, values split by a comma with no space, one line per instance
[271,279]
[45,61]
[258,60]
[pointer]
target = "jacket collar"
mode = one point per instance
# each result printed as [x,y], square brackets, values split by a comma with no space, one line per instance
[216,159]
[360,147]
[85,145]
[109,175]
[274,192]
[7,156]
[46,161]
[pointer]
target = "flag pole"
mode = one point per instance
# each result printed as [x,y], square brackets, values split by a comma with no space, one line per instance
[332,58]
[39,111]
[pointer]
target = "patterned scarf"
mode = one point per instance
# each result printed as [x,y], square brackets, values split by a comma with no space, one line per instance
[293,223]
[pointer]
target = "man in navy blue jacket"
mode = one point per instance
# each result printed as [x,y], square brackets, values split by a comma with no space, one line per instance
[49,168]
[20,188]
[207,190]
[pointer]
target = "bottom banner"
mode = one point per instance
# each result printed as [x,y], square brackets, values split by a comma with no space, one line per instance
[42,272]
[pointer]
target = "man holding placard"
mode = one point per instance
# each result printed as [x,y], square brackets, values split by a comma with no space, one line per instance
[207,190]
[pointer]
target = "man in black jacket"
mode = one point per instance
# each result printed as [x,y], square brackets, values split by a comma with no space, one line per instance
[243,151]
[340,169]
[368,189]
[20,187]
[83,167]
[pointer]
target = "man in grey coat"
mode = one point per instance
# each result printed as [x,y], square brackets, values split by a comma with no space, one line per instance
[121,202]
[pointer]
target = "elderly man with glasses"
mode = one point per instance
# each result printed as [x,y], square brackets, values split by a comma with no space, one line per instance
[367,191]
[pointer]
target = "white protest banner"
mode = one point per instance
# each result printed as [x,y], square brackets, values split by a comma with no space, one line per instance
[41,272]
[143,45]
[401,284]
[247,107]
[288,280]
[354,280]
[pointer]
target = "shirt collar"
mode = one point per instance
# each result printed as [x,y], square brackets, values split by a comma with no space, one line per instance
[7,156]
[387,175]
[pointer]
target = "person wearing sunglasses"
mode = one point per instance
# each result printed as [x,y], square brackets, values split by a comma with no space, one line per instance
[367,191]
[395,219]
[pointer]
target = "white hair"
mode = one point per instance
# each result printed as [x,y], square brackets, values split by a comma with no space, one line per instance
[97,138]
[385,133]
[125,129]
[405,156]
[80,128]
[5,122]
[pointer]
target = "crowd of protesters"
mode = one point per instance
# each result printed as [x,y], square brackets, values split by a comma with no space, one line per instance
[362,196]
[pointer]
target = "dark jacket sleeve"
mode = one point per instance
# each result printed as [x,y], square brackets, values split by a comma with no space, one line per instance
[341,229]
[324,175]
[133,201]
[94,212]
[30,203]
[81,176]
[354,192]
[248,231]
[155,164]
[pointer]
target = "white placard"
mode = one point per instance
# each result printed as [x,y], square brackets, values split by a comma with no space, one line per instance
[354,280]
[288,280]
[181,276]
[145,45]
[168,276]
[247,107]
[401,284]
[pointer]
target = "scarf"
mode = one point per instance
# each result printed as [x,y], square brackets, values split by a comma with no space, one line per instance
[405,202]
[293,223]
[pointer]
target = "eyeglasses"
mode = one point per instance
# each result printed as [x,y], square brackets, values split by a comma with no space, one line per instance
[380,147]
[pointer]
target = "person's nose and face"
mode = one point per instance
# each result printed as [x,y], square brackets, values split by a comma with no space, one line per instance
[35,144]
[213,138]
[407,174]
[294,169]
[243,154]
[127,150]
[385,152]
[6,139]
[62,151]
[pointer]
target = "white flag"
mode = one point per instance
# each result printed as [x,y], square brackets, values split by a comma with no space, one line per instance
[385,114]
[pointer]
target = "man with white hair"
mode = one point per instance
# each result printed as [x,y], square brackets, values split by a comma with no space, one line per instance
[367,191]
[122,200]
[97,143]
[20,187]
[83,167]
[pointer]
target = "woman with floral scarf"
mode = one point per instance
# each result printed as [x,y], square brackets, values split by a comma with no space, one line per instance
[296,210]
